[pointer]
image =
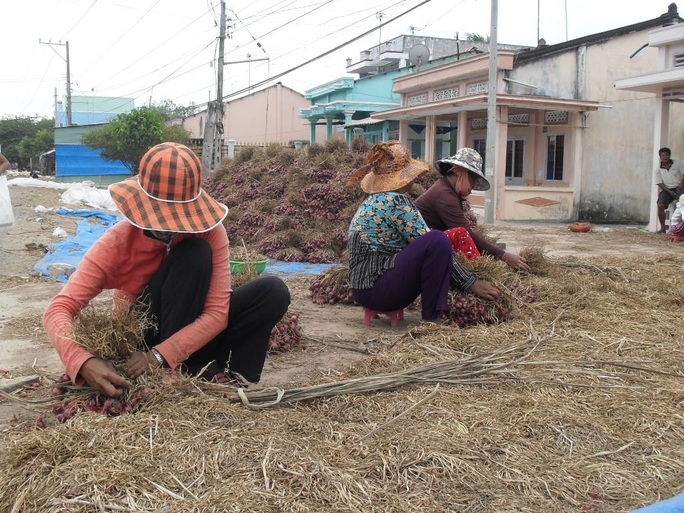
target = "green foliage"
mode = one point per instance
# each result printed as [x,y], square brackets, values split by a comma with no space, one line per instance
[14,130]
[169,110]
[128,136]
[477,38]
[30,148]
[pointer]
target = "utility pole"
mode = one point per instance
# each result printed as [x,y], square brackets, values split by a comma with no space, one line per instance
[69,117]
[68,76]
[211,147]
[492,129]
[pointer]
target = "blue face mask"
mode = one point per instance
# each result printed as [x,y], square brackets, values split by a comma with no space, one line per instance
[162,236]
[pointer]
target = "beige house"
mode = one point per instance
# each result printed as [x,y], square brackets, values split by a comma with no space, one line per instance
[569,145]
[667,84]
[265,116]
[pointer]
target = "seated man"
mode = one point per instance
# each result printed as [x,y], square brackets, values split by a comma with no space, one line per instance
[442,204]
[668,177]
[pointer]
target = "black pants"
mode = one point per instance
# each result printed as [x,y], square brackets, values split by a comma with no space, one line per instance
[175,297]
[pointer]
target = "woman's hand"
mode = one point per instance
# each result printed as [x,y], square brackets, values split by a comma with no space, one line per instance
[139,363]
[484,289]
[103,377]
[515,262]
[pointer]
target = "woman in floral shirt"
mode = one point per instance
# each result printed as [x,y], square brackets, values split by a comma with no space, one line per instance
[393,256]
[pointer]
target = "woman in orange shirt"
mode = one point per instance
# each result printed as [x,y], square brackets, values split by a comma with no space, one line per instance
[170,257]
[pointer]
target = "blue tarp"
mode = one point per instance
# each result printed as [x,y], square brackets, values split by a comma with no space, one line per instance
[673,505]
[278,267]
[71,251]
[79,160]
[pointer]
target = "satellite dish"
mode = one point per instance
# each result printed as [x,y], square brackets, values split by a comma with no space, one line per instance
[419,55]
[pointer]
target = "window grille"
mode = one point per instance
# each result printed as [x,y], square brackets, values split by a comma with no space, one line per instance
[446,94]
[478,87]
[418,99]
[555,117]
[519,119]
[478,123]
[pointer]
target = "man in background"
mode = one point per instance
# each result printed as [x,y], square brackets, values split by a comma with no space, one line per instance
[668,178]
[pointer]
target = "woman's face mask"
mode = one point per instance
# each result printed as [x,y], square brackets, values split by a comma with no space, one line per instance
[162,236]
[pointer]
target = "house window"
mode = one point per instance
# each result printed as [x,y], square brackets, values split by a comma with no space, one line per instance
[416,148]
[515,156]
[555,150]
[480,146]
[678,60]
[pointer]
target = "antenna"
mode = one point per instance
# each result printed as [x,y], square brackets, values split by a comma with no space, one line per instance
[419,55]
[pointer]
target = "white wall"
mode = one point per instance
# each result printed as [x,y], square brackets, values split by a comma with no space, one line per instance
[618,154]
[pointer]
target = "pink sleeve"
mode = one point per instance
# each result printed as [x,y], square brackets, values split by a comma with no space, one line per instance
[85,284]
[214,319]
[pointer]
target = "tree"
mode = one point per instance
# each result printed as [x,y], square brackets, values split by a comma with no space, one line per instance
[14,130]
[128,136]
[30,148]
[477,38]
[170,110]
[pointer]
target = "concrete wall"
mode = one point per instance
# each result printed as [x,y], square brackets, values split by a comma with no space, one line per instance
[616,146]
[266,116]
[518,203]
[619,156]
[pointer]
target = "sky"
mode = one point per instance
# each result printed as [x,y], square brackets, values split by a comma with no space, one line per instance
[157,50]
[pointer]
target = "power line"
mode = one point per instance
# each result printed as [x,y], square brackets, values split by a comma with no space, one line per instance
[328,52]
[173,36]
[194,51]
[79,20]
[111,47]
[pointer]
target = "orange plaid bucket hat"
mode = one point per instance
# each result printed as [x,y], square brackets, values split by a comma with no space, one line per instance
[390,167]
[166,194]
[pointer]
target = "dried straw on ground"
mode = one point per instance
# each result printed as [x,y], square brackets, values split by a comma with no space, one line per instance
[584,413]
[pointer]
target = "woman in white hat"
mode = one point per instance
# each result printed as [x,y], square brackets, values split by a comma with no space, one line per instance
[393,256]
[170,257]
[442,205]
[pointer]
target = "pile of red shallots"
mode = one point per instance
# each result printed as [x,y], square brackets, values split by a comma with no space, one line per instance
[286,334]
[332,287]
[291,205]
[69,402]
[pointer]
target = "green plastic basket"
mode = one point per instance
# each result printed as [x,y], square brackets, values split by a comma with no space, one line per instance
[237,266]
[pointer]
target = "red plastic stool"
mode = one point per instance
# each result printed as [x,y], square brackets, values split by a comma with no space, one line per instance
[394,316]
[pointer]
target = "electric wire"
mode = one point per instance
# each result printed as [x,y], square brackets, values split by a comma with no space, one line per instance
[79,20]
[111,47]
[328,52]
[173,36]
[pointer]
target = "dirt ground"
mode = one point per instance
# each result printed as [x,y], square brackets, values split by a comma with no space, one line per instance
[336,334]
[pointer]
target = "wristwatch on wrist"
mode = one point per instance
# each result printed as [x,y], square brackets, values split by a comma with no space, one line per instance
[158,356]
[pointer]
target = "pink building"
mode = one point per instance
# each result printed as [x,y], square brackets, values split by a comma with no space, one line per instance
[266,116]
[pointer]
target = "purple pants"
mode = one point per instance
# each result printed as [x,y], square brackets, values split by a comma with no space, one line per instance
[421,268]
